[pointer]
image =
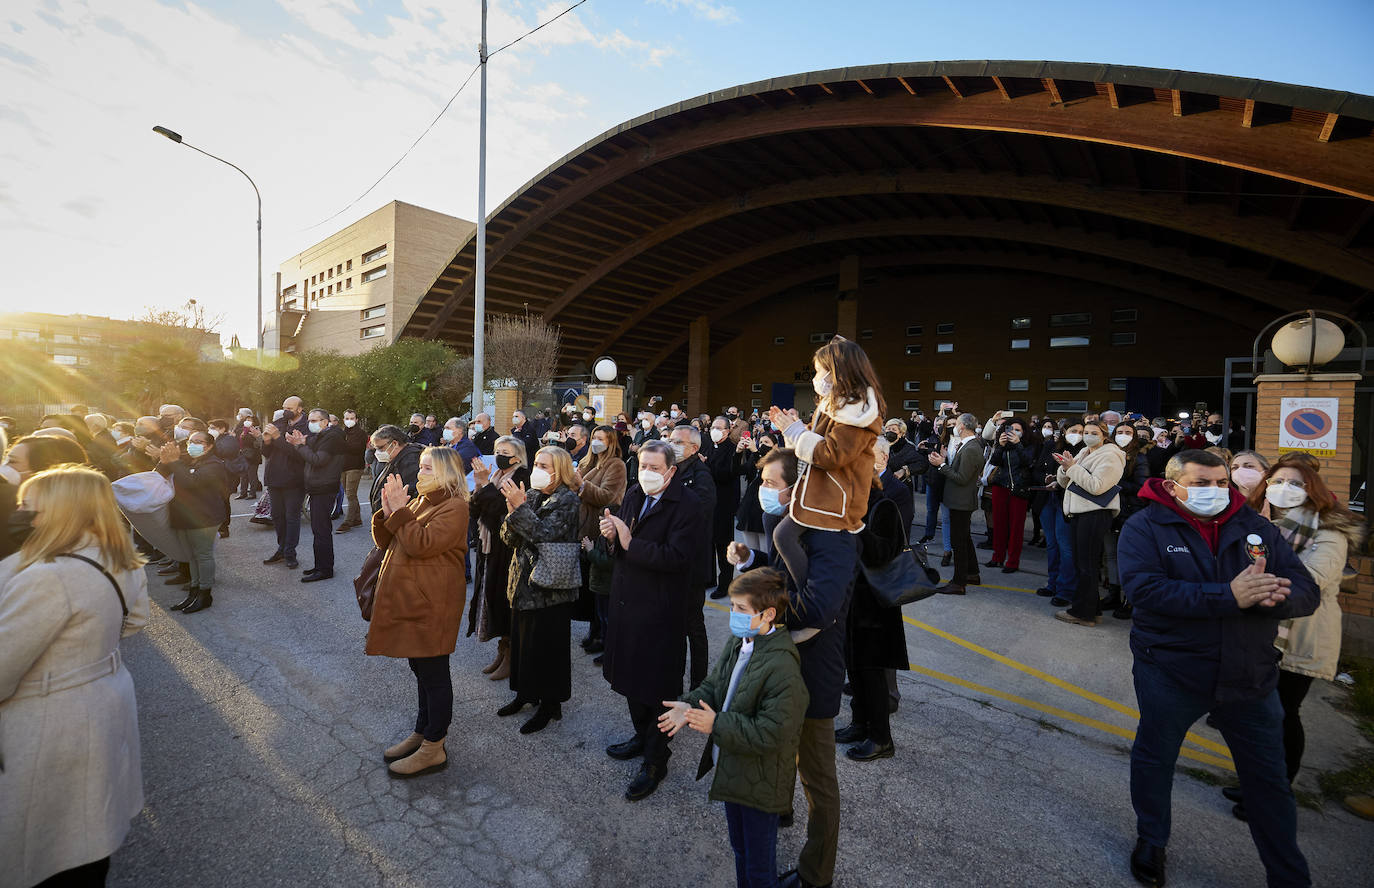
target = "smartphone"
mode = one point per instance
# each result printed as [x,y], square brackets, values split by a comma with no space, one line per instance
[745,434]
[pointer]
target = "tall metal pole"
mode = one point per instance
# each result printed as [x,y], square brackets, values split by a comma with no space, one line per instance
[479,289]
[255,188]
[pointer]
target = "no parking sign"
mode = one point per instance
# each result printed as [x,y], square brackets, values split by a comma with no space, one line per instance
[1309,425]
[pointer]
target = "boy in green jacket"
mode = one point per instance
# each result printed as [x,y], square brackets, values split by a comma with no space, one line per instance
[751,707]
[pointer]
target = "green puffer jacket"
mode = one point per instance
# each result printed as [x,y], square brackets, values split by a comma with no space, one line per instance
[758,737]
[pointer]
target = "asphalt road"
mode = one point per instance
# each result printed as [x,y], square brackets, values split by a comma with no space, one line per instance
[263,724]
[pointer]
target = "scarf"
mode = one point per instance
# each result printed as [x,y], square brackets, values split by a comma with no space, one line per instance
[1298,526]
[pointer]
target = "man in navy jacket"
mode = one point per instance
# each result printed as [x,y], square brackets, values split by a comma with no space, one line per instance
[1210,580]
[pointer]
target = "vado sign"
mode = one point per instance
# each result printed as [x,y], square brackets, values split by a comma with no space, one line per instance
[1309,425]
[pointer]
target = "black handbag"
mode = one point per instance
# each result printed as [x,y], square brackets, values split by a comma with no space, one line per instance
[901,580]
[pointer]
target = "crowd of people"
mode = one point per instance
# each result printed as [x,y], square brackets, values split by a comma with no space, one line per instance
[628,523]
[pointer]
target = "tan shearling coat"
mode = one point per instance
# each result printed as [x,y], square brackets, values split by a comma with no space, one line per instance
[421,589]
[832,490]
[73,779]
[602,488]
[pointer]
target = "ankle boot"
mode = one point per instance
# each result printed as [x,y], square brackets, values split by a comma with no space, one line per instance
[503,671]
[542,715]
[429,757]
[192,594]
[404,748]
[500,655]
[203,601]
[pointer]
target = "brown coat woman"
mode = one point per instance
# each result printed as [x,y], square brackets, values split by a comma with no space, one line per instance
[600,484]
[420,595]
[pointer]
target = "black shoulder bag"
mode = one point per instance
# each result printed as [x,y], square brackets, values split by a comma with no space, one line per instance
[113,582]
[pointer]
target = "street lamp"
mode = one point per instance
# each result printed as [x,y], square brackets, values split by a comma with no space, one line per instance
[176,137]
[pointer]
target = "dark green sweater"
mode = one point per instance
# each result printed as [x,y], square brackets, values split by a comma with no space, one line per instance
[759,735]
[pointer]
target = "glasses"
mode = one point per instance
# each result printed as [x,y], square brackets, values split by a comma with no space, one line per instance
[1275,482]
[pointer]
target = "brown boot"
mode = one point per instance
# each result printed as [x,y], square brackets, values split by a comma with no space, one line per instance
[403,749]
[429,757]
[502,671]
[500,654]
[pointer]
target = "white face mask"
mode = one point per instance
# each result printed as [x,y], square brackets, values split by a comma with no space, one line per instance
[10,474]
[1124,441]
[650,482]
[1047,431]
[679,452]
[1285,496]
[248,423]
[448,435]
[646,424]
[598,446]
[350,423]
[383,456]
[477,428]
[539,479]
[1092,440]
[673,414]
[822,385]
[717,435]
[588,417]
[1211,437]
[180,434]
[1205,501]
[214,433]
[315,427]
[122,441]
[1074,439]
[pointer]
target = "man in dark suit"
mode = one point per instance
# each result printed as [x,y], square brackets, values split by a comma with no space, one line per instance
[961,469]
[725,459]
[656,541]
[483,435]
[685,442]
[524,430]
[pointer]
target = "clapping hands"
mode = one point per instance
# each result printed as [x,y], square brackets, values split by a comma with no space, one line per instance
[701,720]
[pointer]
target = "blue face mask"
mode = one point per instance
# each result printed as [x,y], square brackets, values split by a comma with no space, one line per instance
[739,625]
[195,450]
[768,498]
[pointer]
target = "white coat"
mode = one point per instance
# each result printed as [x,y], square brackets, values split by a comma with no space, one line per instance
[72,778]
[1311,645]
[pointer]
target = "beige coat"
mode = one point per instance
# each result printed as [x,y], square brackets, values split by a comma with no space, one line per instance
[1313,642]
[72,778]
[1097,472]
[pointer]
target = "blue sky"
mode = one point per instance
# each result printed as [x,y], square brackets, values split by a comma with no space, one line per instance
[315,98]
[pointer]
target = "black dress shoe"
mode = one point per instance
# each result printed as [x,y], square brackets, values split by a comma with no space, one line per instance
[311,572]
[596,647]
[985,544]
[586,642]
[1147,863]
[276,556]
[851,733]
[793,879]
[719,593]
[1232,794]
[192,594]
[975,580]
[514,706]
[203,601]
[1045,592]
[925,539]
[1124,612]
[1010,570]
[947,559]
[1238,811]
[951,589]
[867,751]
[785,820]
[1061,601]
[542,715]
[645,782]
[224,533]
[599,659]
[993,563]
[630,749]
[292,563]
[316,577]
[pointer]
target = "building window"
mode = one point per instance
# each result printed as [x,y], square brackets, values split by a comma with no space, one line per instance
[911,385]
[1020,323]
[331,274]
[756,388]
[376,311]
[373,332]
[911,404]
[289,291]
[865,334]
[822,337]
[378,272]
[1066,385]
[348,284]
[779,340]
[1123,338]
[1018,385]
[1066,406]
[90,338]
[1071,319]
[290,304]
[914,330]
[912,350]
[944,385]
[944,347]
[1124,316]
[1117,384]
[312,280]
[66,360]
[1019,406]
[374,255]
[944,329]
[64,338]
[340,268]
[1070,341]
[31,335]
[348,266]
[83,361]
[1020,344]
[756,403]
[329,291]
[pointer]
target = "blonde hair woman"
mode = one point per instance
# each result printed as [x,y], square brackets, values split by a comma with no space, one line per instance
[420,595]
[1092,498]
[600,484]
[67,706]
[537,520]
[489,616]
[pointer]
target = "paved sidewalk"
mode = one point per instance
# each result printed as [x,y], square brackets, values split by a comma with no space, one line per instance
[263,724]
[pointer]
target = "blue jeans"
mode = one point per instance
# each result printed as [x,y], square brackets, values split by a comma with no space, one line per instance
[754,838]
[1063,578]
[1253,729]
[944,528]
[286,517]
[934,494]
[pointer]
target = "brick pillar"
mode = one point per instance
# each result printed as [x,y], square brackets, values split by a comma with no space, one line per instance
[1273,388]
[507,402]
[613,398]
[698,364]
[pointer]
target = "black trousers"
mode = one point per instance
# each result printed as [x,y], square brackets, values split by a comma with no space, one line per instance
[698,647]
[870,703]
[88,875]
[286,517]
[645,719]
[435,685]
[322,531]
[1292,689]
[540,658]
[961,539]
[1089,539]
[725,570]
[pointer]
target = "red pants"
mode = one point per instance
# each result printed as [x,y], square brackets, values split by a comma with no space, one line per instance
[1008,525]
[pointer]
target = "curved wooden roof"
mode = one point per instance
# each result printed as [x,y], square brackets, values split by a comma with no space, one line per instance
[1229,195]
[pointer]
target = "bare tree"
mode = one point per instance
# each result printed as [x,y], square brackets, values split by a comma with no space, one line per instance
[522,352]
[192,317]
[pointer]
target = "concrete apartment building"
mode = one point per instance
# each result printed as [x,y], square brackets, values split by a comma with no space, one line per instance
[83,341]
[356,288]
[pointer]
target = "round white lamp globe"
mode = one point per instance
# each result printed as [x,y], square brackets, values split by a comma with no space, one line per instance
[604,369]
[1293,341]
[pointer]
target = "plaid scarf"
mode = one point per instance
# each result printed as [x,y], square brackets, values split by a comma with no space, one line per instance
[1298,525]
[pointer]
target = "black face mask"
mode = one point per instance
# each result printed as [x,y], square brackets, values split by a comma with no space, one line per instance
[891,437]
[504,462]
[414,429]
[19,527]
[1215,428]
